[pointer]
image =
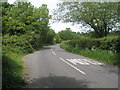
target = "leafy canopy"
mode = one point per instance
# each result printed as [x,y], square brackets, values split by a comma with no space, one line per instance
[101,16]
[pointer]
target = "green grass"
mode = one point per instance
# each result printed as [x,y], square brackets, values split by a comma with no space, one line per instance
[105,56]
[12,70]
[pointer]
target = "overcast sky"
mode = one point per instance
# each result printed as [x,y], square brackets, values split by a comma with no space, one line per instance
[52,4]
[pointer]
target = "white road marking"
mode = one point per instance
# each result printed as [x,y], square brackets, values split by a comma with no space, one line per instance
[75,61]
[73,66]
[53,53]
[72,61]
[96,63]
[83,62]
[80,61]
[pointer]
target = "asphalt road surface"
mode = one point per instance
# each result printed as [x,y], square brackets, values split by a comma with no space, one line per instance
[53,67]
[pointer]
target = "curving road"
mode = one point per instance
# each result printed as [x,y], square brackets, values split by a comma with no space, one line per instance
[53,67]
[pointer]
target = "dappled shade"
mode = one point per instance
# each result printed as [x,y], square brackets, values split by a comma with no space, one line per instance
[57,82]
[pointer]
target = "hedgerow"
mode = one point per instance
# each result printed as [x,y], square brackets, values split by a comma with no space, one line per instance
[105,43]
[24,29]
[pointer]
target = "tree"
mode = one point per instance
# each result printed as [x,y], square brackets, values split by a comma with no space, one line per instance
[50,37]
[101,16]
[66,34]
[23,19]
[57,38]
[15,18]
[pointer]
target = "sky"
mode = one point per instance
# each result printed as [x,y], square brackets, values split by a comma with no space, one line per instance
[52,4]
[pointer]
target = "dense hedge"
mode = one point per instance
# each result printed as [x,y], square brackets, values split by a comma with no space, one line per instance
[13,43]
[25,29]
[107,43]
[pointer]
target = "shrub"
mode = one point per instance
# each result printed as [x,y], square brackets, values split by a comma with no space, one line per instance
[106,43]
[14,43]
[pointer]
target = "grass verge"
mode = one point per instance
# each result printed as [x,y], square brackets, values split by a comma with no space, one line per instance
[12,70]
[105,56]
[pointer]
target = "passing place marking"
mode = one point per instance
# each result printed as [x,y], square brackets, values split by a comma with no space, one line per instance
[92,62]
[73,66]
[75,61]
[83,62]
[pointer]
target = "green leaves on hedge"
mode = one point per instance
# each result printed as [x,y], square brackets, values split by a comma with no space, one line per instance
[107,43]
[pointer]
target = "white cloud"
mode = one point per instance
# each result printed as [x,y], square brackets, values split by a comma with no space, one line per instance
[11,1]
[62,26]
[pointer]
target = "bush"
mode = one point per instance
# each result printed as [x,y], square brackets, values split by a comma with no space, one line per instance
[14,43]
[13,49]
[108,56]
[111,43]
[106,43]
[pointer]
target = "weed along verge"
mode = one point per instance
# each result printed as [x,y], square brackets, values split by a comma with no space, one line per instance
[100,52]
[25,29]
[13,71]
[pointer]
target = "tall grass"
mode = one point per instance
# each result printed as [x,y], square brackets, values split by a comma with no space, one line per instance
[12,70]
[106,56]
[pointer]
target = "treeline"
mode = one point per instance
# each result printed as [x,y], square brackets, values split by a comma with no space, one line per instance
[84,44]
[27,22]
[102,17]
[86,41]
[24,30]
[102,42]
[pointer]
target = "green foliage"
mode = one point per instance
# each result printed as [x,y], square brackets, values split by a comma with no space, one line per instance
[27,22]
[106,43]
[22,18]
[14,42]
[12,71]
[50,37]
[67,34]
[14,21]
[101,16]
[114,33]
[108,47]
[25,29]
[57,38]
[111,43]
[108,56]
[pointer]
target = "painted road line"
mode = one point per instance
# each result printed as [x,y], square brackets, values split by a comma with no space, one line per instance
[96,63]
[73,66]
[71,61]
[89,61]
[79,61]
[53,53]
[75,61]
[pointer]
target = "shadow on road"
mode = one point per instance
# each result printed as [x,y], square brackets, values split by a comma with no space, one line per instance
[57,82]
[46,48]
